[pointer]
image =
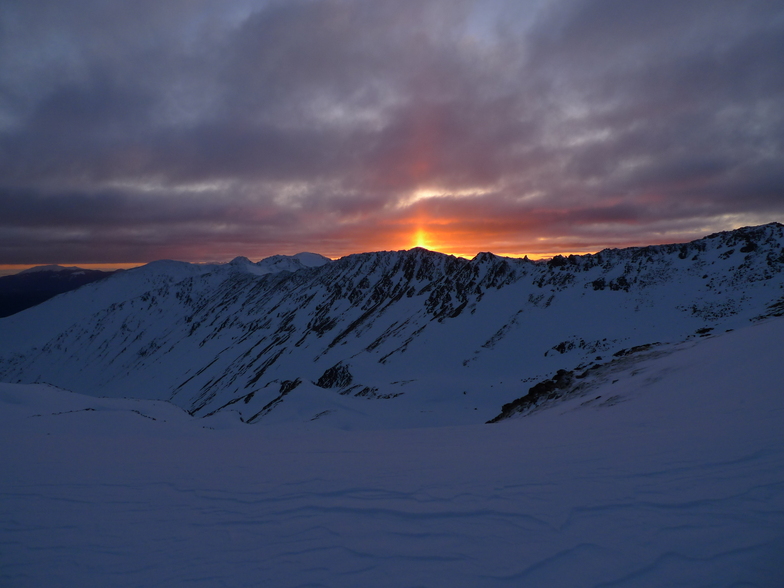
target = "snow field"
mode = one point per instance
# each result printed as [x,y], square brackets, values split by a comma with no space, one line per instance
[674,476]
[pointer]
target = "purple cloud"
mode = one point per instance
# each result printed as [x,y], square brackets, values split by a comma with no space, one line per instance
[205,130]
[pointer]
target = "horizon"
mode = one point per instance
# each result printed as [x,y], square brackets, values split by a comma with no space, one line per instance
[13,269]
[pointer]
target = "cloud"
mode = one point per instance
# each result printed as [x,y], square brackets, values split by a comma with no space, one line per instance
[210,129]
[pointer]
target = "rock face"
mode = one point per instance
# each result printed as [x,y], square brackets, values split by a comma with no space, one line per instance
[338,376]
[569,383]
[550,389]
[384,326]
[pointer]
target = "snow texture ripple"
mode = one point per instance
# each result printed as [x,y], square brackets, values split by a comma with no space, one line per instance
[679,482]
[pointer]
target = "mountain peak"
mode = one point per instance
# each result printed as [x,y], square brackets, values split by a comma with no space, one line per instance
[311,259]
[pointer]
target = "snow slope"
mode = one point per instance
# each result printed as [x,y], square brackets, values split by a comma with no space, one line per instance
[44,322]
[407,338]
[666,470]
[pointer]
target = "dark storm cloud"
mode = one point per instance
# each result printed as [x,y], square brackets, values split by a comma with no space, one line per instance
[203,129]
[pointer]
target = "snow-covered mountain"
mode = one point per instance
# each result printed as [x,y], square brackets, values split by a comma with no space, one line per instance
[637,396]
[385,339]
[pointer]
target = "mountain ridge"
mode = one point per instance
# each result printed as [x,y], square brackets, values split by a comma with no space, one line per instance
[38,284]
[428,338]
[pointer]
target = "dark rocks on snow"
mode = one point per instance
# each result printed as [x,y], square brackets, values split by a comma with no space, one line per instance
[287,386]
[538,393]
[338,376]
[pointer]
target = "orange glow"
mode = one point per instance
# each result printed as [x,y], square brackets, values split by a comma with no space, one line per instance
[420,239]
[461,238]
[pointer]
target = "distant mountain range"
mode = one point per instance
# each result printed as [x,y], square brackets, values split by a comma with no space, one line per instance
[404,338]
[38,284]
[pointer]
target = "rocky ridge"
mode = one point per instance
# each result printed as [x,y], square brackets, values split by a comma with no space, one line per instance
[405,330]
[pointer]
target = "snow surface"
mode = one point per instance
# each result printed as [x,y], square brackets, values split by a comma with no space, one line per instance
[39,324]
[289,263]
[669,473]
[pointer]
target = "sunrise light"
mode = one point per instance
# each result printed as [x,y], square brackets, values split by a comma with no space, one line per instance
[421,239]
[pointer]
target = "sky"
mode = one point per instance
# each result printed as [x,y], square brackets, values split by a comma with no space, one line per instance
[202,130]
